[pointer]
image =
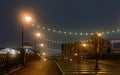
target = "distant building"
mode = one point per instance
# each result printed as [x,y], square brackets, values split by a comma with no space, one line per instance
[12,52]
[71,51]
[115,46]
[28,47]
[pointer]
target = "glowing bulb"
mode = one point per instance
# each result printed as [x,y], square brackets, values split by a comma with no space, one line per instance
[43,53]
[99,34]
[84,45]
[28,18]
[38,34]
[41,45]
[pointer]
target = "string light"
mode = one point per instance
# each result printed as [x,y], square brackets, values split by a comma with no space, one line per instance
[86,33]
[54,41]
[118,30]
[64,32]
[51,49]
[113,31]
[32,24]
[38,26]
[43,28]
[81,33]
[54,30]
[61,42]
[48,29]
[108,32]
[74,33]
[91,33]
[70,33]
[59,31]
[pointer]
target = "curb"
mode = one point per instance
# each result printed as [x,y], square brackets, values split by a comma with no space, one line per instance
[59,68]
[11,71]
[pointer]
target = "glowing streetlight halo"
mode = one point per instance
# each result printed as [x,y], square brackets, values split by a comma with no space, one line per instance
[99,34]
[76,54]
[43,53]
[38,34]
[41,45]
[84,45]
[28,18]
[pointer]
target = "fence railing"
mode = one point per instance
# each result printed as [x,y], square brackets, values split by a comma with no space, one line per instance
[9,62]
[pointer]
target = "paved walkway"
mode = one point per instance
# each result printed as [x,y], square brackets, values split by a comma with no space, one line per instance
[87,68]
[39,68]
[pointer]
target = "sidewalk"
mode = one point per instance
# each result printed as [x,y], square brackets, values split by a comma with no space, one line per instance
[38,68]
[87,68]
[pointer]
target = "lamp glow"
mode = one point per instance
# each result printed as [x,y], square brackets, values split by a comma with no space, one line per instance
[41,45]
[28,18]
[84,45]
[38,34]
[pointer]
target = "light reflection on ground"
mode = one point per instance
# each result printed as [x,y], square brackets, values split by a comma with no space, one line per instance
[87,68]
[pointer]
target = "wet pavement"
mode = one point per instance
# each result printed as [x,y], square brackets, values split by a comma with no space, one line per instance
[38,68]
[87,67]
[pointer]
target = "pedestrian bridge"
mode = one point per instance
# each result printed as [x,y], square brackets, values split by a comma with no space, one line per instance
[35,66]
[12,64]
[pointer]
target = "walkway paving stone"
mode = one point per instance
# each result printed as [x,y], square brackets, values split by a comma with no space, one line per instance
[107,67]
[39,68]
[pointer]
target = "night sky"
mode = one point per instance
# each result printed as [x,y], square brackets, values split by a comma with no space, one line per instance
[67,15]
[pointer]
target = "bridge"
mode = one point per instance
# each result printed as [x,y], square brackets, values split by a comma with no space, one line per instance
[33,65]
[12,65]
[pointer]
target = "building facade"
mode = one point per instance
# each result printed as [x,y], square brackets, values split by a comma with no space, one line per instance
[75,51]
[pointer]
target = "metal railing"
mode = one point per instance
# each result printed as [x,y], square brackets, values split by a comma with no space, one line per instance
[8,62]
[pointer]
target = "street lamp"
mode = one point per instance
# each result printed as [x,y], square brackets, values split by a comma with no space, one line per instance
[43,56]
[43,53]
[28,18]
[84,46]
[41,45]
[76,54]
[38,35]
[79,52]
[22,39]
[97,51]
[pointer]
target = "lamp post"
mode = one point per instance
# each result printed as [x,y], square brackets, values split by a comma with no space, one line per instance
[97,51]
[79,52]
[22,40]
[84,51]
[38,35]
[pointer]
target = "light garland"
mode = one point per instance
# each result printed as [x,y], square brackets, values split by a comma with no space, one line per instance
[69,33]
[53,41]
[61,42]
[51,49]
[74,33]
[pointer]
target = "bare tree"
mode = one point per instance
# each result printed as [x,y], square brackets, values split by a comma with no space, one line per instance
[99,40]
